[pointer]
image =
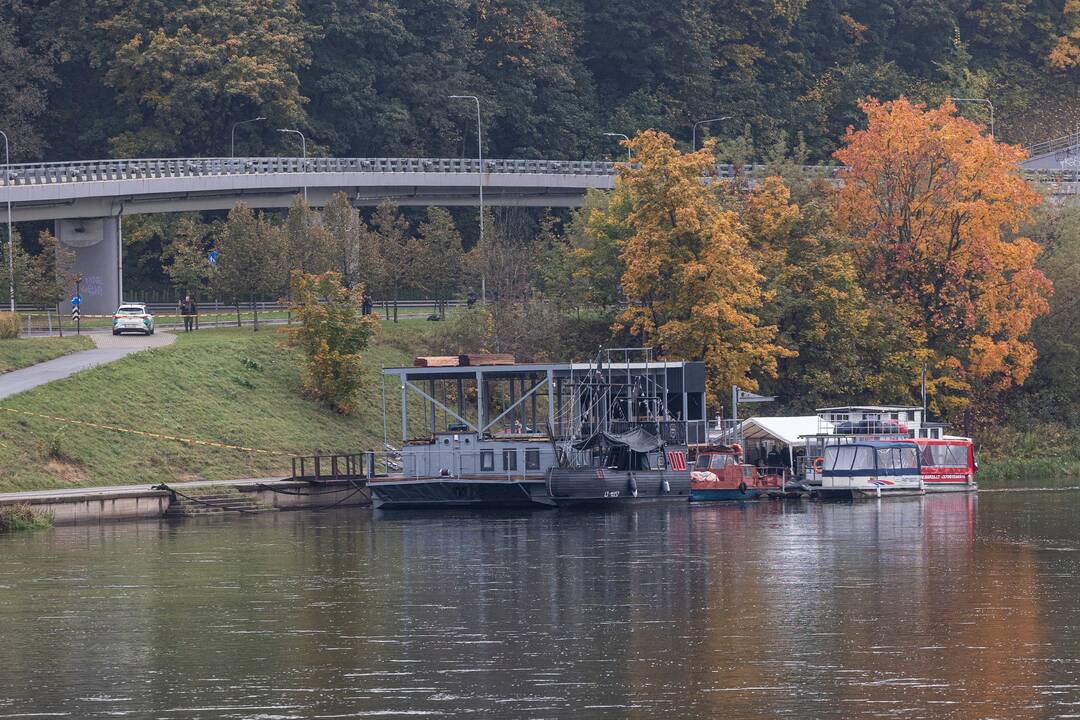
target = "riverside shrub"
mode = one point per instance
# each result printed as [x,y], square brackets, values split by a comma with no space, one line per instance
[9,326]
[331,333]
[23,517]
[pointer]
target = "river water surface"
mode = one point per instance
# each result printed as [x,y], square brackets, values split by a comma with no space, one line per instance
[937,607]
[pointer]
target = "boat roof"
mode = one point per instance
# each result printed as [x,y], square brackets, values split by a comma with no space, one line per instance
[788,430]
[871,408]
[565,368]
[877,444]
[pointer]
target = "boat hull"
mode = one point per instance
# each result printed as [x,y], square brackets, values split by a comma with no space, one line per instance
[940,487]
[458,492]
[728,494]
[826,493]
[599,486]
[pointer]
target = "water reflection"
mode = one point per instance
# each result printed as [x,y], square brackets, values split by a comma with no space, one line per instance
[944,606]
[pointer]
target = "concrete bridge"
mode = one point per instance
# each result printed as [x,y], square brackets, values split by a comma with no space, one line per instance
[86,199]
[1060,154]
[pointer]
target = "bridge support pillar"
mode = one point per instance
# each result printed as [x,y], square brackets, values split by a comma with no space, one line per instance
[96,243]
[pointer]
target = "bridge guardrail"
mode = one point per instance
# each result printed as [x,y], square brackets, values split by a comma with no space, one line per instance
[1054,144]
[54,173]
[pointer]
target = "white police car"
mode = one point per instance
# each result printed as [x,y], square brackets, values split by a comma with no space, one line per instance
[132,318]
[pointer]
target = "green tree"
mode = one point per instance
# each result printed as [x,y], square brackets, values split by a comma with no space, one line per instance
[391,233]
[249,259]
[189,268]
[331,334]
[23,94]
[381,71]
[308,246]
[342,222]
[436,257]
[235,58]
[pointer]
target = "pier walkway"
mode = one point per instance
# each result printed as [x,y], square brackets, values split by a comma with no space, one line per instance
[91,505]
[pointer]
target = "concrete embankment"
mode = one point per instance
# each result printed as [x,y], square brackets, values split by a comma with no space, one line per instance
[84,506]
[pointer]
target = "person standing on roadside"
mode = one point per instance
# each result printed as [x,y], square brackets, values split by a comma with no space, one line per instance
[189,310]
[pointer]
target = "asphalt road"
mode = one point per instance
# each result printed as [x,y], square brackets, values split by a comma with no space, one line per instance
[109,349]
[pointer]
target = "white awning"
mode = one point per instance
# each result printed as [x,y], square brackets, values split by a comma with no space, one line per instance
[787,430]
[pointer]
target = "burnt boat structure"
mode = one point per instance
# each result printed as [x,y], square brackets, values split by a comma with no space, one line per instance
[484,431]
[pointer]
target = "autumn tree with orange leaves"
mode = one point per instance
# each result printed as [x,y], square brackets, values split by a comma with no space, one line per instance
[692,286]
[935,208]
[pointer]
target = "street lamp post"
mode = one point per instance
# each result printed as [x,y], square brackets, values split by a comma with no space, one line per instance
[983,101]
[303,152]
[10,240]
[232,136]
[705,122]
[480,160]
[624,137]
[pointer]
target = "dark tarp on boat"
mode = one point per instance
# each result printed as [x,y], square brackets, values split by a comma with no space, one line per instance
[639,440]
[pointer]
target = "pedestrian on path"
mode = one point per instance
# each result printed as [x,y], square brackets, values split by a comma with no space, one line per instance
[190,311]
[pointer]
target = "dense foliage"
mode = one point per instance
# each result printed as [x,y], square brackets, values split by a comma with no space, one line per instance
[88,78]
[331,332]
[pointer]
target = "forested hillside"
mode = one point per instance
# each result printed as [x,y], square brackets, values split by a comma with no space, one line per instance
[93,78]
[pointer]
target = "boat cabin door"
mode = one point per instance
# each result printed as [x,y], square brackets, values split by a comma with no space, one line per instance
[458,453]
[465,447]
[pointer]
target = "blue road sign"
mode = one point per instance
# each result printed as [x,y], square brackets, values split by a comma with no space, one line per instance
[213,257]
[76,300]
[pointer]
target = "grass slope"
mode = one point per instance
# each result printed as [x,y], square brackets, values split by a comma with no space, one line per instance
[24,352]
[230,386]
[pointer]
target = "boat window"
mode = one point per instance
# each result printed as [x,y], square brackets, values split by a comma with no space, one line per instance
[509,460]
[532,459]
[909,458]
[928,459]
[955,456]
[839,458]
[702,462]
[886,458]
[962,455]
[487,459]
[864,459]
[719,462]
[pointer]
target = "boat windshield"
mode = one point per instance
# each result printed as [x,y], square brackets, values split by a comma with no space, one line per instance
[898,458]
[719,462]
[849,457]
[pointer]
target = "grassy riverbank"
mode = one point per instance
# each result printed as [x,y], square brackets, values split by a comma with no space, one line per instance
[24,352]
[1046,455]
[228,386]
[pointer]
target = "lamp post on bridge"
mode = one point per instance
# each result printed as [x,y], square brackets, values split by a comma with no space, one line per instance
[984,101]
[624,137]
[303,151]
[693,146]
[232,136]
[480,170]
[10,240]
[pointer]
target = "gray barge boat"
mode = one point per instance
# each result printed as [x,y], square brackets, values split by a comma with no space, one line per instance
[473,434]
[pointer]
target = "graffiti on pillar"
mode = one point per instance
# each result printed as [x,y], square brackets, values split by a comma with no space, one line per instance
[92,286]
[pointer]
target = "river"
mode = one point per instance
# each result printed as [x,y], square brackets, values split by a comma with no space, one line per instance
[948,606]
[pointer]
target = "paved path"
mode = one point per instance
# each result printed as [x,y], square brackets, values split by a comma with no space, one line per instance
[109,349]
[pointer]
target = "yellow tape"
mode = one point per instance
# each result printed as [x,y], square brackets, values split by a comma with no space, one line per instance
[144,433]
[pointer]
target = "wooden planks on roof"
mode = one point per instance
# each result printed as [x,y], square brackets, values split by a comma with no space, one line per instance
[472,360]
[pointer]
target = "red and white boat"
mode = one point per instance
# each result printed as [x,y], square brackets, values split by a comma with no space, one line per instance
[948,463]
